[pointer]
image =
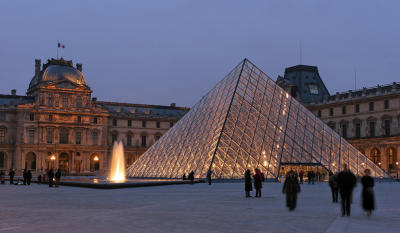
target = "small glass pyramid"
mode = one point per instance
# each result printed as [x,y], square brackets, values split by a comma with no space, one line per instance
[246,121]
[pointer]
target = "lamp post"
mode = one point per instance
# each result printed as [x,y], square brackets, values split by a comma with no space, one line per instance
[53,159]
[397,169]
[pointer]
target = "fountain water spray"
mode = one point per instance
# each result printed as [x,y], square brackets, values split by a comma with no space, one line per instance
[117,171]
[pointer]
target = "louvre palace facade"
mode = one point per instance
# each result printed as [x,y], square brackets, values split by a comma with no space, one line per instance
[57,124]
[368,118]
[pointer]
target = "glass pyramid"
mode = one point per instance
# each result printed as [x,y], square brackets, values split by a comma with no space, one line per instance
[246,121]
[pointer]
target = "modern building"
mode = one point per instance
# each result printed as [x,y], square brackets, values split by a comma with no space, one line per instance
[57,124]
[369,118]
[246,122]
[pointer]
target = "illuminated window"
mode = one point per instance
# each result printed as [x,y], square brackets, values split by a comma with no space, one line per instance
[2,136]
[313,89]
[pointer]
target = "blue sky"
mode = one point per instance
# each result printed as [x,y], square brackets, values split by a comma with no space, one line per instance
[158,52]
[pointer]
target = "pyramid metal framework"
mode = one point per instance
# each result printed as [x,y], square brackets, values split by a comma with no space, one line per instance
[246,121]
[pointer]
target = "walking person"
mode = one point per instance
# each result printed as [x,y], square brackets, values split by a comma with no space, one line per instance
[346,182]
[209,173]
[24,176]
[58,177]
[39,178]
[191,177]
[334,187]
[257,182]
[11,174]
[28,177]
[301,174]
[291,187]
[368,199]
[247,183]
[51,177]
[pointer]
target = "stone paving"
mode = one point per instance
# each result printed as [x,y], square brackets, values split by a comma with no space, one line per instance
[220,207]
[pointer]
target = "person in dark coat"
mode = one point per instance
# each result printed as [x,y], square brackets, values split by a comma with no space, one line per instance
[309,177]
[346,182]
[301,174]
[257,182]
[11,174]
[28,177]
[291,187]
[58,177]
[312,177]
[368,201]
[24,173]
[51,177]
[209,173]
[334,187]
[191,177]
[247,183]
[184,177]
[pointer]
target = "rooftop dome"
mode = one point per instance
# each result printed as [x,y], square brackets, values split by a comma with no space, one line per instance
[57,70]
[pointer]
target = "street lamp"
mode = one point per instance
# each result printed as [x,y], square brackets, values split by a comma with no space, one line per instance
[53,159]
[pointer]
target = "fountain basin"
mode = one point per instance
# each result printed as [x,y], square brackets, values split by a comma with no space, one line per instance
[103,183]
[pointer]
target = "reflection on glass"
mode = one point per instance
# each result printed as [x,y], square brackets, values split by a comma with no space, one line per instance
[246,121]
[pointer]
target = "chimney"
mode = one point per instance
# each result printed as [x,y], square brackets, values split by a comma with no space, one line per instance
[37,66]
[79,67]
[13,92]
[173,105]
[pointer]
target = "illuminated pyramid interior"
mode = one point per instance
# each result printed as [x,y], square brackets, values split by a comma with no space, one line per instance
[246,121]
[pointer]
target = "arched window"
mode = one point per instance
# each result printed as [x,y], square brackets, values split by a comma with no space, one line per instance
[30,161]
[2,159]
[391,153]
[63,163]
[376,155]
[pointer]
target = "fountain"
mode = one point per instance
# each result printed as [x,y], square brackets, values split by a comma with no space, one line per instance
[117,170]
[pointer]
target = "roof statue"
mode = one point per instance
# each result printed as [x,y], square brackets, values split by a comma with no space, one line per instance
[247,121]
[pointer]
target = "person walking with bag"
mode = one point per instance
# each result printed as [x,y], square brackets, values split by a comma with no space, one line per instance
[368,199]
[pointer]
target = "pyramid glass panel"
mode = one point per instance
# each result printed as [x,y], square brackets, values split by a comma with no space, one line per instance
[245,122]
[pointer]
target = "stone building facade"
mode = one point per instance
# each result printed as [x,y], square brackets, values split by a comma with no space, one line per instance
[369,118]
[59,125]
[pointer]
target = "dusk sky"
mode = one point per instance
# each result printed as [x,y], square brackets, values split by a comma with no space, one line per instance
[159,52]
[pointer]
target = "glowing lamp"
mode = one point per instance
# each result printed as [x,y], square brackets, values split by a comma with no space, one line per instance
[96,158]
[53,157]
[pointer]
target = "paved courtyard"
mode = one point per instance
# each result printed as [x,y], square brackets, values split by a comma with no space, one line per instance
[190,208]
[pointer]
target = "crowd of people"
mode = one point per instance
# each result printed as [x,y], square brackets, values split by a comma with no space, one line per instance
[50,177]
[342,183]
